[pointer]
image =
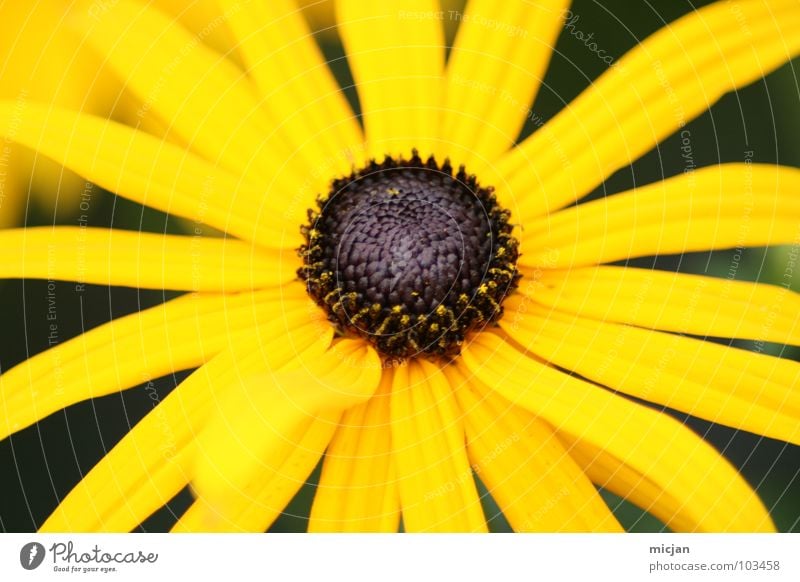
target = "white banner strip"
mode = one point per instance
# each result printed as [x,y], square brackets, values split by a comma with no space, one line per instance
[353,558]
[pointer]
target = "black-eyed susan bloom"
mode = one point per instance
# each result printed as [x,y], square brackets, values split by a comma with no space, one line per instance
[418,302]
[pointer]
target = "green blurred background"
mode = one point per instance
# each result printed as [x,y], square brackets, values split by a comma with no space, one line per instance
[41,464]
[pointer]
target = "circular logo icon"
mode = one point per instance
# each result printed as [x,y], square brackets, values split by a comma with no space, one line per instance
[31,555]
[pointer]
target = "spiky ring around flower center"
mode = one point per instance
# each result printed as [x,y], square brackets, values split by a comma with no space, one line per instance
[409,256]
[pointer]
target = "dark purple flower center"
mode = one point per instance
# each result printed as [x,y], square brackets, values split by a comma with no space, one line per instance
[409,256]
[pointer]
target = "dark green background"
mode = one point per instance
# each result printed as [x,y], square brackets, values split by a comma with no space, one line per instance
[38,466]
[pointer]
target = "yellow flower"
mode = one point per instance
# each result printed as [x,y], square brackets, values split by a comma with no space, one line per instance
[381,347]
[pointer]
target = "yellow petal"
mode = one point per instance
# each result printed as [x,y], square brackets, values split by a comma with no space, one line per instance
[177,335]
[653,91]
[14,198]
[154,461]
[136,259]
[494,71]
[715,496]
[623,479]
[203,97]
[260,501]
[525,467]
[204,18]
[694,304]
[396,52]
[300,95]
[152,172]
[43,59]
[260,420]
[702,379]
[727,206]
[437,488]
[357,490]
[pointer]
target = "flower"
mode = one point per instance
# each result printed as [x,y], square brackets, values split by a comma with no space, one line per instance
[408,362]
